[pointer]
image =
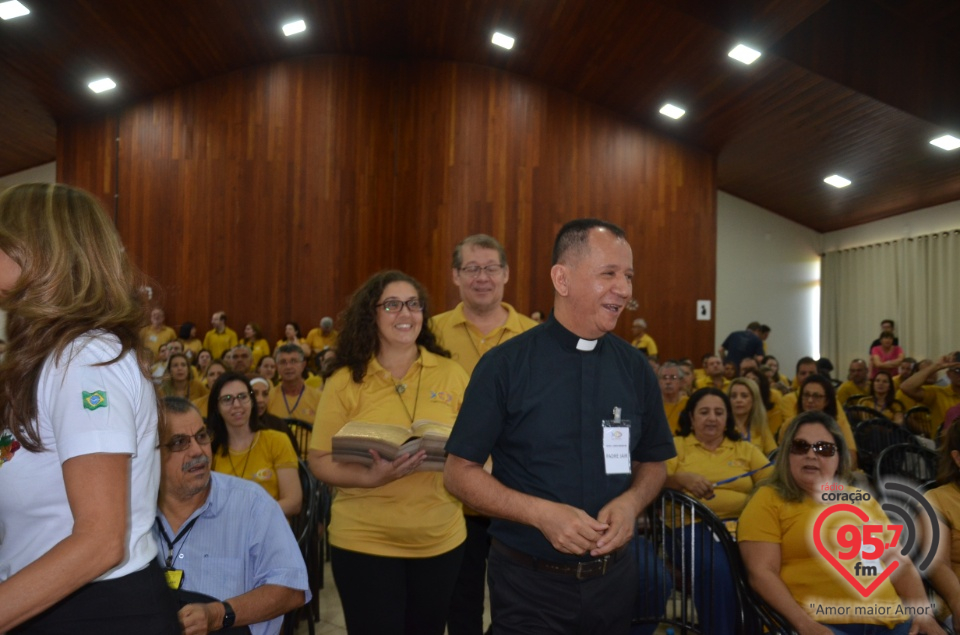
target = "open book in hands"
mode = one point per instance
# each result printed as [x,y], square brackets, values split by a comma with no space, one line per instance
[352,444]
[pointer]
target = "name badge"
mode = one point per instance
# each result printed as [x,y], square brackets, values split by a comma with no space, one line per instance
[174,578]
[616,446]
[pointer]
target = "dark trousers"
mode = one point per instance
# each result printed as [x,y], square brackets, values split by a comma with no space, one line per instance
[527,602]
[394,596]
[138,603]
[466,606]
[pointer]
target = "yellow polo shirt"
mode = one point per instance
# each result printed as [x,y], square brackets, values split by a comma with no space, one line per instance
[811,579]
[466,343]
[155,339]
[219,343]
[259,348]
[318,341]
[646,342]
[731,458]
[415,516]
[302,407]
[939,399]
[848,389]
[673,411]
[707,382]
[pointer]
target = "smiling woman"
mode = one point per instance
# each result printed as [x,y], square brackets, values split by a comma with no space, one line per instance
[396,533]
[80,492]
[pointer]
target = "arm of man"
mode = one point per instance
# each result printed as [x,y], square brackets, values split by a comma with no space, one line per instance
[912,386]
[620,514]
[569,530]
[259,605]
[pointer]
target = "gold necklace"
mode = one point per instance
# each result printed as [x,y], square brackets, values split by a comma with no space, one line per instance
[233,468]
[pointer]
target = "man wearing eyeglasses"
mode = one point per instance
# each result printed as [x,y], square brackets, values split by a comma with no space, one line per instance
[572,417]
[224,542]
[293,399]
[938,398]
[481,321]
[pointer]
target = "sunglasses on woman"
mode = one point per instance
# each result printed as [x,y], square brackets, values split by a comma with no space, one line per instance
[820,448]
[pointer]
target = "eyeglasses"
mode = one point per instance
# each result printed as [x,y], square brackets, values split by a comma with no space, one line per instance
[820,448]
[669,377]
[473,271]
[180,442]
[226,400]
[392,306]
[813,396]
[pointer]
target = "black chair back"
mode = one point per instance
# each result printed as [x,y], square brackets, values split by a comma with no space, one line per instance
[917,420]
[875,435]
[675,566]
[301,431]
[906,462]
[857,413]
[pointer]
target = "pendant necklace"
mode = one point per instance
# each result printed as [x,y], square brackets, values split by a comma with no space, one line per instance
[503,330]
[233,467]
[402,387]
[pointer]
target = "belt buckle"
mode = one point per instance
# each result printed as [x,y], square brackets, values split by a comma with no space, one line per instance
[603,567]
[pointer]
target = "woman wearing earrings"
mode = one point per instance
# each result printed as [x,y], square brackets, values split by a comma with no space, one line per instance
[396,533]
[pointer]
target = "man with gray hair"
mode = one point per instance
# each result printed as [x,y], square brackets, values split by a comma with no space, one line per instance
[320,339]
[225,544]
[642,339]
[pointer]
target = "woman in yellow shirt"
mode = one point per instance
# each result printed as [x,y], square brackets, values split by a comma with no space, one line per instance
[776,529]
[396,533]
[711,455]
[245,448]
[254,340]
[179,383]
[292,335]
[750,415]
[881,397]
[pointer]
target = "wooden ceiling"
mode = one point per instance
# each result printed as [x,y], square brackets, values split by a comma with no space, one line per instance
[856,87]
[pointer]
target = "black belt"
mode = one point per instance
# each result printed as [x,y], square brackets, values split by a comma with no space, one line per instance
[579,570]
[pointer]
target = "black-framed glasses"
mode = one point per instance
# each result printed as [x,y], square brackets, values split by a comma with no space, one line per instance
[813,396]
[394,306]
[820,448]
[242,397]
[180,442]
[474,270]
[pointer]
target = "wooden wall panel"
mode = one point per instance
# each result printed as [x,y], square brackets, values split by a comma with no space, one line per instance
[86,157]
[273,192]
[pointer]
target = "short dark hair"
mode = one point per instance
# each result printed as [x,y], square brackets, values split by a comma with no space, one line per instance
[574,235]
[753,326]
[888,321]
[482,241]
[805,360]
[290,348]
[764,328]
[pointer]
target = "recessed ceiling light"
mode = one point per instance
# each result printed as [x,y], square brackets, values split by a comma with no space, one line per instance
[837,181]
[12,9]
[672,111]
[100,85]
[292,28]
[745,54]
[502,39]
[947,142]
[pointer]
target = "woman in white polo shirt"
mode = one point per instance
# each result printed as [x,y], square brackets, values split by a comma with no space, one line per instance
[78,426]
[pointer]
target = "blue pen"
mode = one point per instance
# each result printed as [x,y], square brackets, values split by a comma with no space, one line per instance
[745,474]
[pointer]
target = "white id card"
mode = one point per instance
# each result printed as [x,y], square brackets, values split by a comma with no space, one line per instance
[616,446]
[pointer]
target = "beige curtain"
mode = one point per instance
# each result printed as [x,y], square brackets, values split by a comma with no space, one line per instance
[915,282]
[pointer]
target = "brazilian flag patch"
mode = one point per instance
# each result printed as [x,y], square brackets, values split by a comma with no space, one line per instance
[95,399]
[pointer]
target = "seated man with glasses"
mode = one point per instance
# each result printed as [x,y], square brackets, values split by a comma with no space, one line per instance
[938,398]
[224,543]
[292,398]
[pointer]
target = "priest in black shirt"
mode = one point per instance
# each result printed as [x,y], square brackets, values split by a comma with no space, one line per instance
[573,419]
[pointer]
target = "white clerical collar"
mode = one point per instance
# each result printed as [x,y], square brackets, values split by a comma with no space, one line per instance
[586,345]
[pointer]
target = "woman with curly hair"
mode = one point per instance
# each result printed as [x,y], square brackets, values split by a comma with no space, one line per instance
[396,533]
[78,417]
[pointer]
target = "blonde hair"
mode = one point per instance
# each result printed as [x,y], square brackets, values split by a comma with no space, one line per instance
[757,419]
[75,278]
[782,480]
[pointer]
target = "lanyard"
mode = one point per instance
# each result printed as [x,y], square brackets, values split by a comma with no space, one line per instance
[171,543]
[286,403]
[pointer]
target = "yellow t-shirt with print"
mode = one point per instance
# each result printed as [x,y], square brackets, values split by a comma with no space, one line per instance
[731,458]
[155,339]
[465,343]
[270,451]
[415,516]
[811,579]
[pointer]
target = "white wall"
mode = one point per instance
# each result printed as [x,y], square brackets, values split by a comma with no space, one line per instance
[768,270]
[920,223]
[46,173]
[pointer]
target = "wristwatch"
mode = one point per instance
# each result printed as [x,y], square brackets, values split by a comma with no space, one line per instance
[229,617]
